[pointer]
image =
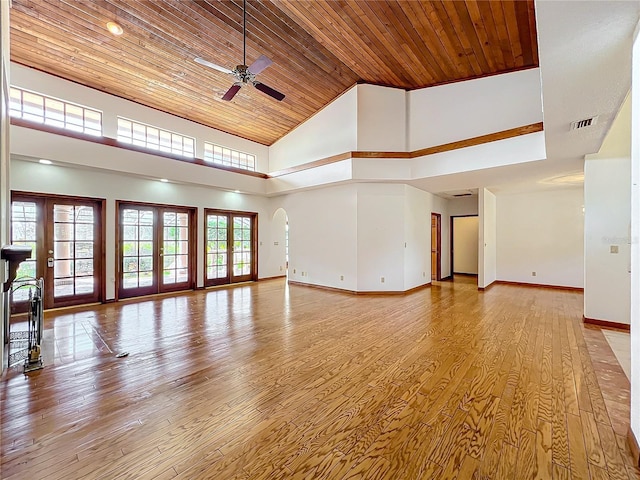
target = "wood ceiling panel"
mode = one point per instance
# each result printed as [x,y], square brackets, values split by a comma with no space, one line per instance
[320,48]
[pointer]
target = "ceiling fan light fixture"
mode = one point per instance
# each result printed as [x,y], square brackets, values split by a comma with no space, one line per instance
[114,28]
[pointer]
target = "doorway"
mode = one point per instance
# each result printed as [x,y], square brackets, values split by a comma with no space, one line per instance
[464,245]
[436,246]
[156,249]
[67,242]
[231,241]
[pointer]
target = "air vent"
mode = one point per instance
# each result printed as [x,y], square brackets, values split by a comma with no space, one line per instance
[587,122]
[463,194]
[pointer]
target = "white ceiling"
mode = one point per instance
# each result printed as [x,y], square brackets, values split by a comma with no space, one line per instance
[585,65]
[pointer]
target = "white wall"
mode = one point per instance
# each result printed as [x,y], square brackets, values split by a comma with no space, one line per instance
[463,206]
[61,149]
[418,206]
[323,238]
[607,203]
[331,131]
[487,247]
[635,242]
[465,245]
[380,222]
[276,253]
[456,111]
[541,232]
[34,177]
[113,106]
[382,119]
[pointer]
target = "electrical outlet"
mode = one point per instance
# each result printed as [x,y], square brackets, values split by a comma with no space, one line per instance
[381,279]
[280,267]
[275,243]
[294,270]
[424,274]
[341,278]
[613,249]
[533,274]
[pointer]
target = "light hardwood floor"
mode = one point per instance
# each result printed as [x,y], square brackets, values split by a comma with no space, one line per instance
[266,381]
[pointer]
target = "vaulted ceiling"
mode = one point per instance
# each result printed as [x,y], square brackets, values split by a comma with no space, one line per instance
[320,48]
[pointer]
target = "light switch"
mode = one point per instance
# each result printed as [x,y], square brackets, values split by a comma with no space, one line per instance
[613,248]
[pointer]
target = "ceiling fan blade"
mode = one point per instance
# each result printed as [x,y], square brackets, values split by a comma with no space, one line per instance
[260,64]
[269,91]
[231,92]
[206,63]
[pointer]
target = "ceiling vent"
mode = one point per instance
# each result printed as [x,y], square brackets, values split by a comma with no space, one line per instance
[587,122]
[462,194]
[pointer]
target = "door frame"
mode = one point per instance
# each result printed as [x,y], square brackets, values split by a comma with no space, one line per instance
[193,244]
[254,246]
[451,232]
[438,218]
[41,250]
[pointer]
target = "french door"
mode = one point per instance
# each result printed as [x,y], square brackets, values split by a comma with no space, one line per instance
[156,249]
[66,238]
[231,253]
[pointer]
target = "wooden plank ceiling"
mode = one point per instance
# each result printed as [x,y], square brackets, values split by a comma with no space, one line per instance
[320,49]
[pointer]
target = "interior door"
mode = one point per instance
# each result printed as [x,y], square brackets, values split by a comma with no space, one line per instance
[65,235]
[230,247]
[435,246]
[156,249]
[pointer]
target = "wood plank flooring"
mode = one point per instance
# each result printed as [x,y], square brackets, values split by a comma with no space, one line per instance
[269,381]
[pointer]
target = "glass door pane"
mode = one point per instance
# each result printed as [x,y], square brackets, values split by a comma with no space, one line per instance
[242,257]
[175,250]
[217,269]
[73,250]
[24,231]
[137,251]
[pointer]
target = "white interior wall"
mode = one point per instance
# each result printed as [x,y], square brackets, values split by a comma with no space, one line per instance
[34,177]
[607,203]
[418,206]
[323,238]
[465,245]
[541,232]
[635,241]
[456,111]
[113,106]
[31,143]
[382,119]
[442,206]
[381,250]
[334,130]
[486,238]
[463,206]
[277,249]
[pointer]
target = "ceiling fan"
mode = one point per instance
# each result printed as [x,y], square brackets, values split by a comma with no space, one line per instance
[245,75]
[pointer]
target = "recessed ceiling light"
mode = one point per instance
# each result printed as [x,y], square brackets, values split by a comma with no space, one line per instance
[114,28]
[45,162]
[164,180]
[236,191]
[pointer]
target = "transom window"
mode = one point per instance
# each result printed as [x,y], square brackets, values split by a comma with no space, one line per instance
[226,156]
[154,138]
[38,108]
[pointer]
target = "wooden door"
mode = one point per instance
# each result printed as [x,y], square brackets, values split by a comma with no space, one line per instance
[66,236]
[156,249]
[436,242]
[231,254]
